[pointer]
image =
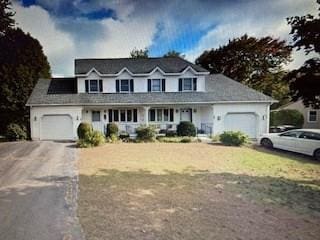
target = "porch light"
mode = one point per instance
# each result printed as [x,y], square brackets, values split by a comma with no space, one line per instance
[77,118]
[264,117]
[35,118]
[177,110]
[219,118]
[195,110]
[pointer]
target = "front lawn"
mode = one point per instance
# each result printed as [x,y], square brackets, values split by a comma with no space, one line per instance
[197,191]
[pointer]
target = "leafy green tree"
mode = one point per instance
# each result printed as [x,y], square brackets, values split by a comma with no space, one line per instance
[256,62]
[6,16]
[173,53]
[305,81]
[22,63]
[139,53]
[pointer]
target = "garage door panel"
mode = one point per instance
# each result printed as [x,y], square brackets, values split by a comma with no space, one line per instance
[56,127]
[244,122]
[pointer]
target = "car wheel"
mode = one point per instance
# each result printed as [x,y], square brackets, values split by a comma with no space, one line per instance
[317,154]
[266,143]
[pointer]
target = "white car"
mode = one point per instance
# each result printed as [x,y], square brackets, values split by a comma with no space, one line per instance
[305,141]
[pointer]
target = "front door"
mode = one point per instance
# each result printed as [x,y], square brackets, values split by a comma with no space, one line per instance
[185,115]
[96,121]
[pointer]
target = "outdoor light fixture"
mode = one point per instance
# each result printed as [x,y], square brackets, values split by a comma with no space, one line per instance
[177,110]
[195,110]
[219,118]
[77,118]
[35,118]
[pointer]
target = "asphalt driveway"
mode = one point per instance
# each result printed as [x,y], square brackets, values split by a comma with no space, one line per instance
[38,191]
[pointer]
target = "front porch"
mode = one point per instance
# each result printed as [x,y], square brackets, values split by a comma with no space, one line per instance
[163,118]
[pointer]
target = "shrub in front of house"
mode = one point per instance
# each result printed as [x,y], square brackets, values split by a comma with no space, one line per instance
[146,134]
[16,132]
[287,117]
[171,133]
[231,138]
[186,129]
[112,129]
[186,140]
[84,130]
[92,139]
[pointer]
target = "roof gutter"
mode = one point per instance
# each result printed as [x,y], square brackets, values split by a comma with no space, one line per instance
[143,104]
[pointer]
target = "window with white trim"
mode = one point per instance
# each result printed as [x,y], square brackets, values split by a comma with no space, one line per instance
[95,116]
[93,86]
[312,116]
[187,84]
[161,115]
[124,85]
[123,115]
[155,85]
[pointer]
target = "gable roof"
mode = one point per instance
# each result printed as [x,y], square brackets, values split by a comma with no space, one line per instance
[114,66]
[219,89]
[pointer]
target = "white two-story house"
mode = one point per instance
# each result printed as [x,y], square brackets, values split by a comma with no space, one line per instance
[151,91]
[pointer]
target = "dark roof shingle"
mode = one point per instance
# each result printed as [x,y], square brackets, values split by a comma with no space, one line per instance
[219,88]
[134,65]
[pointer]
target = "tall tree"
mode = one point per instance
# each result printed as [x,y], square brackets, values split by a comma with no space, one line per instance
[305,81]
[22,63]
[139,53]
[173,53]
[256,62]
[6,16]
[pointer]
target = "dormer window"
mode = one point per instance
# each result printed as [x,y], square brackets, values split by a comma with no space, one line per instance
[156,85]
[187,84]
[93,86]
[125,85]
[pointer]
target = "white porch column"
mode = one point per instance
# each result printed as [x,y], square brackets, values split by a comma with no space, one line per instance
[146,115]
[213,120]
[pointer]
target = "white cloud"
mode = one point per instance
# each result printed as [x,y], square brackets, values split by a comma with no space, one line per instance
[57,45]
[66,38]
[257,18]
[110,38]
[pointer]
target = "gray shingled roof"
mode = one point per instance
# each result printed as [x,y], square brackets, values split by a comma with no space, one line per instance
[136,66]
[219,89]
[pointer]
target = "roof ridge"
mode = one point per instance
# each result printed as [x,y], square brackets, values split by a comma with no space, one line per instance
[129,58]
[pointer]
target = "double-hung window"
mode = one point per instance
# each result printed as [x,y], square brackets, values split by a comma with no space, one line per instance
[95,116]
[187,84]
[312,116]
[93,85]
[123,115]
[155,85]
[124,85]
[161,115]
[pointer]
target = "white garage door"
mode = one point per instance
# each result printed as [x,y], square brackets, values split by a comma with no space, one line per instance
[56,127]
[244,122]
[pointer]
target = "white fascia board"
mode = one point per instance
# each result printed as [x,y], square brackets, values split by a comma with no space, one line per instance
[142,104]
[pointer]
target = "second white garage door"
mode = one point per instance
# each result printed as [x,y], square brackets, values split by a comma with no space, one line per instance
[56,127]
[244,122]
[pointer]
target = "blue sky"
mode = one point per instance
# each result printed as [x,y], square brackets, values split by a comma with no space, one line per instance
[69,29]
